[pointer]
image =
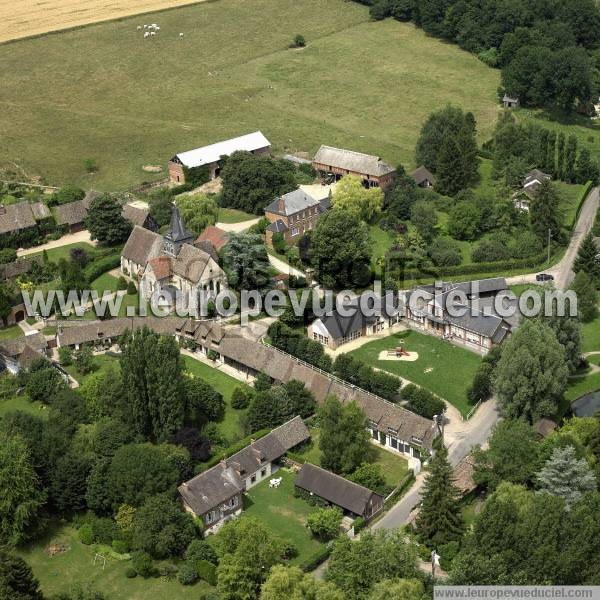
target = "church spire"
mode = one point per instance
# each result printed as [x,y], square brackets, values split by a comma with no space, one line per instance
[177,235]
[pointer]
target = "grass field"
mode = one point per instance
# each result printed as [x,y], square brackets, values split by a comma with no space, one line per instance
[442,368]
[75,567]
[283,514]
[230,426]
[231,215]
[55,254]
[393,467]
[104,93]
[22,403]
[591,335]
[101,362]
[10,333]
[105,282]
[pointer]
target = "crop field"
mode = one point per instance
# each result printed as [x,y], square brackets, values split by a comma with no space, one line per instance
[34,17]
[106,94]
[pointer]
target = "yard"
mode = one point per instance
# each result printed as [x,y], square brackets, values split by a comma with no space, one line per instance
[284,514]
[358,84]
[231,215]
[101,362]
[591,335]
[55,254]
[230,426]
[75,567]
[10,333]
[393,467]
[443,368]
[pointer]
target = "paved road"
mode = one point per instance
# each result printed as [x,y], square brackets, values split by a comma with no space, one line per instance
[563,270]
[237,227]
[70,238]
[283,267]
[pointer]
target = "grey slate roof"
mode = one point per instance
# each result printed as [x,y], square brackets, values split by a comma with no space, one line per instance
[16,346]
[142,245]
[211,488]
[352,161]
[135,214]
[177,230]
[334,488]
[293,202]
[277,226]
[21,215]
[422,174]
[535,175]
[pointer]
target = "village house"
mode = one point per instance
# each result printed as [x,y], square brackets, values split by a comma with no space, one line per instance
[18,353]
[334,163]
[292,215]
[355,500]
[216,495]
[214,237]
[533,180]
[423,177]
[336,329]
[171,264]
[510,101]
[474,323]
[15,218]
[210,156]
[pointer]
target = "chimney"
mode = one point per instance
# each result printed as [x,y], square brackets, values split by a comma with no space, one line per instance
[281,205]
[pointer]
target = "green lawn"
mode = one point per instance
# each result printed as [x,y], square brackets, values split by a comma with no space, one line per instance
[570,196]
[230,426]
[75,567]
[442,367]
[380,242]
[283,514]
[101,363]
[55,254]
[23,404]
[231,215]
[518,289]
[105,282]
[591,335]
[578,386]
[486,187]
[393,467]
[10,333]
[358,84]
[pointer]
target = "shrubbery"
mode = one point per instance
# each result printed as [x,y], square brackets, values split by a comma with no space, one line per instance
[422,401]
[354,371]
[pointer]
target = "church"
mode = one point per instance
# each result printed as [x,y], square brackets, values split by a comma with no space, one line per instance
[171,263]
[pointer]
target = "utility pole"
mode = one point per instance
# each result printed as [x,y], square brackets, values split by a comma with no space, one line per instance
[435,561]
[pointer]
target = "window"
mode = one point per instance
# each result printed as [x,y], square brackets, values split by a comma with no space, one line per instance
[394,443]
[263,472]
[295,231]
[253,479]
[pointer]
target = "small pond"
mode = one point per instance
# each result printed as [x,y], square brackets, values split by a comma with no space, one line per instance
[588,405]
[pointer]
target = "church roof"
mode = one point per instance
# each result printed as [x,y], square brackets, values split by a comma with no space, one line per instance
[177,230]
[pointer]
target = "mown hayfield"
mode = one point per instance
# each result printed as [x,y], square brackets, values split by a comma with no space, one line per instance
[32,17]
[103,92]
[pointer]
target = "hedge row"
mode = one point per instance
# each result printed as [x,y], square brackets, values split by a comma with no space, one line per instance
[584,194]
[217,458]
[314,561]
[102,265]
[399,491]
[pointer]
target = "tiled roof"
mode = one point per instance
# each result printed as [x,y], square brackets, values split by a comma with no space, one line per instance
[18,267]
[334,488]
[161,267]
[190,263]
[216,236]
[74,213]
[135,214]
[352,161]
[22,215]
[142,245]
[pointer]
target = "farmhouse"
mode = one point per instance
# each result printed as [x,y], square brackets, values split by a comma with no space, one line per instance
[336,329]
[292,215]
[423,177]
[18,353]
[210,156]
[436,310]
[216,494]
[510,101]
[23,215]
[533,180]
[171,264]
[333,163]
[353,498]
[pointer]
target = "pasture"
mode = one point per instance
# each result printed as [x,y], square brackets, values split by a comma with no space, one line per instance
[106,94]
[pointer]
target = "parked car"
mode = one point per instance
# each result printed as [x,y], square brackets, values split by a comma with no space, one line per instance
[544,277]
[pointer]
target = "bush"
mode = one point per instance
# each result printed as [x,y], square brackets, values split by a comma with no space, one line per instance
[7,255]
[278,243]
[422,401]
[444,253]
[490,251]
[120,546]
[187,574]
[131,289]
[212,355]
[447,554]
[288,550]
[121,283]
[298,42]
[102,265]
[65,356]
[86,535]
[240,399]
[201,550]
[325,523]
[207,571]
[142,563]
[359,524]
[318,558]
[130,573]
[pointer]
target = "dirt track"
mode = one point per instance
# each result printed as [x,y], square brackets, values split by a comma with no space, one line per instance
[33,17]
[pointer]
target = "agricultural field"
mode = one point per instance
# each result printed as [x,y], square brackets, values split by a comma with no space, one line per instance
[30,17]
[125,102]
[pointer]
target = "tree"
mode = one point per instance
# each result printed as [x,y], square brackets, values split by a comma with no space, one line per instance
[356,566]
[588,258]
[191,439]
[482,386]
[587,297]
[439,520]
[161,205]
[250,182]
[369,476]
[43,384]
[153,384]
[302,400]
[69,481]
[104,394]
[398,589]
[463,221]
[201,550]
[203,403]
[16,578]
[560,155]
[568,333]
[325,523]
[570,156]
[21,496]
[83,359]
[269,409]
[294,584]
[422,401]
[161,528]
[247,262]
[352,197]
[137,472]
[7,255]
[544,212]
[198,211]
[531,375]
[105,221]
[424,218]
[586,169]
[340,250]
[512,455]
[400,197]
[566,476]
[344,440]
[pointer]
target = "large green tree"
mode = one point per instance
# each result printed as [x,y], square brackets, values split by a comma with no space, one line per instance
[16,578]
[247,262]
[531,375]
[105,221]
[588,258]
[292,583]
[587,296]
[351,196]
[545,213]
[439,520]
[198,211]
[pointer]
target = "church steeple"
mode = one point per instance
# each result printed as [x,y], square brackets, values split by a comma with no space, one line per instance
[177,235]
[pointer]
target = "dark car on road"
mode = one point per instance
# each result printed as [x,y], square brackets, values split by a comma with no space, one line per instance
[544,277]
